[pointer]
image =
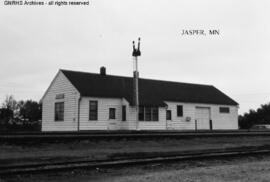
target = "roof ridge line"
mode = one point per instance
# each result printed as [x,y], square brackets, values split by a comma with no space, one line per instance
[150,79]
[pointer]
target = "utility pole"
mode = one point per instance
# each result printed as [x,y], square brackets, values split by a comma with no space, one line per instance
[136,53]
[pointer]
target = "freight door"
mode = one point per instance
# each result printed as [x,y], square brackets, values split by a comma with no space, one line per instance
[202,116]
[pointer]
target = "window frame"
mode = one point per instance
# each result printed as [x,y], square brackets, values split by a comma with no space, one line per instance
[148,114]
[153,117]
[59,112]
[224,110]
[91,111]
[180,113]
[112,113]
[124,113]
[59,96]
[141,114]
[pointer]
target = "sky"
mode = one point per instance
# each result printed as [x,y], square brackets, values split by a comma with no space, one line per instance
[37,41]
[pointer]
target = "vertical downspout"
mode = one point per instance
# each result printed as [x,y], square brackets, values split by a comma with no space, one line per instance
[78,127]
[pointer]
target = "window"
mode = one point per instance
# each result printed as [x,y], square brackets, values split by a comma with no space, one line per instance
[148,113]
[124,116]
[141,113]
[179,110]
[93,110]
[59,111]
[155,114]
[60,96]
[112,113]
[224,110]
[168,115]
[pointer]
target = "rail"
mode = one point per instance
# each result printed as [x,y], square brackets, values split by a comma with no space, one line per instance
[153,158]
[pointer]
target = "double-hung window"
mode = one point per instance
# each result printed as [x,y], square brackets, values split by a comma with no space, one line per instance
[112,113]
[179,110]
[93,110]
[59,111]
[148,113]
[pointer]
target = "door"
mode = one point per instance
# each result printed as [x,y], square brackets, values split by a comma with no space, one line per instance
[202,116]
[169,120]
[113,117]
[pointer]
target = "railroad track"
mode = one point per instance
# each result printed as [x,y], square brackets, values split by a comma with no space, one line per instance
[4,137]
[154,158]
[132,132]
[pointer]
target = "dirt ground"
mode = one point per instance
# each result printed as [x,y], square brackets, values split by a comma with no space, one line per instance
[251,168]
[107,149]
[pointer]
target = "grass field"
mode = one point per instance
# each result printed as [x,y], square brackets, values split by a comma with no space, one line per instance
[108,149]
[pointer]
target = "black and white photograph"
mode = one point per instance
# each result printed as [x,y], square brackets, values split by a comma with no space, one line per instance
[134,91]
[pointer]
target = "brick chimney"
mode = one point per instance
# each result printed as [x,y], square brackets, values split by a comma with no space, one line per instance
[103,71]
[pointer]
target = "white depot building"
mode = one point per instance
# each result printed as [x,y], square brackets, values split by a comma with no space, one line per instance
[77,101]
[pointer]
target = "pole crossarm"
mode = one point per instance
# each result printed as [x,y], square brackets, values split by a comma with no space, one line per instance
[136,52]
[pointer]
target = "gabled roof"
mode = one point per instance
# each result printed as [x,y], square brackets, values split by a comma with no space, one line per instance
[151,92]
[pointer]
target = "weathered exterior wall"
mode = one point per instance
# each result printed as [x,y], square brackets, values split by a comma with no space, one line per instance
[60,85]
[219,120]
[103,122]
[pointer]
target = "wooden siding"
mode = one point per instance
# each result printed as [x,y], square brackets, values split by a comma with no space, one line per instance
[225,120]
[219,120]
[103,122]
[155,125]
[60,85]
